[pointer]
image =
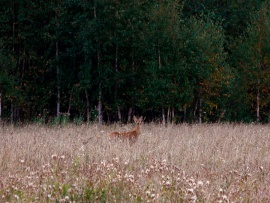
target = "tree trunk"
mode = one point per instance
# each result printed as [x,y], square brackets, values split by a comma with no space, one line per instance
[100,119]
[69,103]
[100,106]
[99,94]
[130,110]
[119,113]
[195,110]
[169,115]
[13,50]
[18,119]
[0,108]
[58,85]
[221,115]
[200,110]
[159,59]
[173,121]
[269,115]
[108,118]
[87,106]
[185,114]
[57,72]
[11,113]
[116,58]
[258,106]
[116,86]
[163,117]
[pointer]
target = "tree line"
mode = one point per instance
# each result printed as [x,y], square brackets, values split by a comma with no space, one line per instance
[106,60]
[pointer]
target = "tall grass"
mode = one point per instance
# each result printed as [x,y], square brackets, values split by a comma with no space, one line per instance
[182,163]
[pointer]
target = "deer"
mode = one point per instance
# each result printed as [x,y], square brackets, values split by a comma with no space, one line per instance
[131,136]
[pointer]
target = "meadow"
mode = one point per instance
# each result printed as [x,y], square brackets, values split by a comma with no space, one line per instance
[179,163]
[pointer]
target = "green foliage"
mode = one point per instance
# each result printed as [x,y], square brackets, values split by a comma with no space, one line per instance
[61,120]
[201,58]
[78,120]
[251,58]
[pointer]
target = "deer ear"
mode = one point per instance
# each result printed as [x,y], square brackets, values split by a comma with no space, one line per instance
[134,118]
[141,118]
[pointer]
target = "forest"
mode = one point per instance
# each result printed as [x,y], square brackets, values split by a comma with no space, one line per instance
[171,61]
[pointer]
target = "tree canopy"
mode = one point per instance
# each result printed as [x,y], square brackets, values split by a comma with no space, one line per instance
[106,60]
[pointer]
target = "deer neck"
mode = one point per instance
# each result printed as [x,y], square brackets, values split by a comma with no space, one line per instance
[137,129]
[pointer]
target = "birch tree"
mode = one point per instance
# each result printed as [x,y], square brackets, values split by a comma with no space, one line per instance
[252,57]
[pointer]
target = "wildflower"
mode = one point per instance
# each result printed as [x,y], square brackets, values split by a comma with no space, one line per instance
[168,183]
[152,195]
[224,197]
[130,178]
[30,184]
[103,162]
[193,198]
[190,191]
[16,197]
[200,184]
[191,182]
[116,159]
[54,156]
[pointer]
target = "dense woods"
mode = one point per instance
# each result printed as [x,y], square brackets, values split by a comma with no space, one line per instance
[106,60]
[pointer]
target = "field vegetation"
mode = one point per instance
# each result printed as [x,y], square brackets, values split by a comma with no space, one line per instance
[180,163]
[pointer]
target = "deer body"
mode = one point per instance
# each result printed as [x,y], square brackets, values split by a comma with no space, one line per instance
[131,136]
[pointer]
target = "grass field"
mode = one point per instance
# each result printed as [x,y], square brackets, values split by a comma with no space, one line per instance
[182,163]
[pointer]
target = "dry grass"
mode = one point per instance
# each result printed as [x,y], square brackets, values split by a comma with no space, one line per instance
[183,163]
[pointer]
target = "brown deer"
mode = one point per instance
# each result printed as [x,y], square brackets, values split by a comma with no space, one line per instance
[131,136]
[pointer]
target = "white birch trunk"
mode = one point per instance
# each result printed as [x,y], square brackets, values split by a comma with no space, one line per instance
[173,121]
[195,110]
[129,114]
[163,117]
[100,119]
[119,113]
[169,115]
